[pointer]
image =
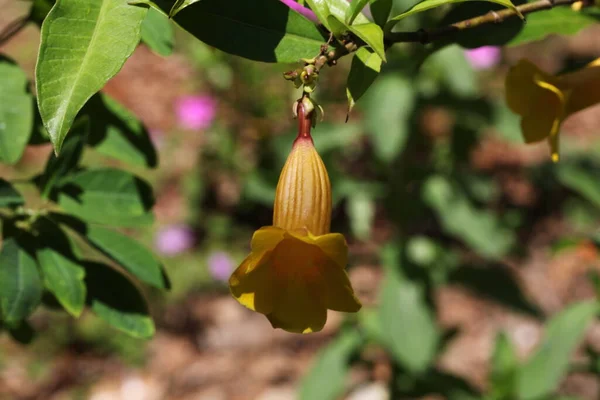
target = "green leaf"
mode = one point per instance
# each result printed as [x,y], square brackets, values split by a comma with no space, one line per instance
[264,30]
[157,33]
[504,364]
[117,133]
[388,109]
[365,68]
[361,212]
[560,21]
[380,9]
[581,180]
[429,4]
[107,196]
[83,44]
[126,251]
[337,8]
[326,379]
[9,196]
[117,301]
[372,35]
[408,327]
[543,372]
[356,6]
[180,5]
[479,229]
[20,282]
[16,112]
[459,79]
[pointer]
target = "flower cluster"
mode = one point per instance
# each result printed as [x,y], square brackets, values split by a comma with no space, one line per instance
[296,268]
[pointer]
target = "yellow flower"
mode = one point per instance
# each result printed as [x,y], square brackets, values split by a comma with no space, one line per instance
[544,101]
[295,270]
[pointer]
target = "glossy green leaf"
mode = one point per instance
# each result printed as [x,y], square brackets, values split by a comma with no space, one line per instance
[83,44]
[504,365]
[356,6]
[582,180]
[264,30]
[107,196]
[180,5]
[407,325]
[543,372]
[429,4]
[126,251]
[9,196]
[380,10]
[117,301]
[365,68]
[117,133]
[20,282]
[479,229]
[559,20]
[16,112]
[157,33]
[323,9]
[64,278]
[388,107]
[327,377]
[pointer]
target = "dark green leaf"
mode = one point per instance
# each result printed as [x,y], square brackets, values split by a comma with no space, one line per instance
[264,30]
[356,6]
[157,33]
[582,180]
[22,333]
[126,251]
[326,379]
[117,301]
[83,44]
[107,196]
[20,283]
[388,109]
[504,366]
[16,112]
[40,9]
[380,9]
[115,132]
[543,372]
[365,68]
[409,329]
[480,229]
[9,197]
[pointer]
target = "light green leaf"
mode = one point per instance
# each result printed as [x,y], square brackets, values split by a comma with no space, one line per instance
[361,212]
[408,328]
[338,8]
[543,372]
[369,33]
[480,229]
[117,301]
[126,251]
[326,379]
[16,112]
[388,109]
[20,283]
[264,30]
[180,5]
[356,6]
[504,364]
[107,196]
[157,33]
[83,44]
[460,78]
[64,278]
[365,68]
[9,196]
[117,133]
[581,180]
[380,9]
[559,21]
[429,4]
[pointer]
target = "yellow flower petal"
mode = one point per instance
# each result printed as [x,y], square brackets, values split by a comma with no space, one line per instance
[338,293]
[298,309]
[522,93]
[334,246]
[584,87]
[266,238]
[252,283]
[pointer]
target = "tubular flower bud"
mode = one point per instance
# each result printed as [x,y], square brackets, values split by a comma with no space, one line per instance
[544,101]
[295,270]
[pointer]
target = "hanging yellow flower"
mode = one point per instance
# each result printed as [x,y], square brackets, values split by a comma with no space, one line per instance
[295,270]
[544,101]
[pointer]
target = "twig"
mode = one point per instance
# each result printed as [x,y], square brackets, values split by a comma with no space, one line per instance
[493,17]
[12,29]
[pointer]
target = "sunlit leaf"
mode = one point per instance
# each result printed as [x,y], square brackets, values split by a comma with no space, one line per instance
[180,5]
[157,33]
[365,68]
[356,6]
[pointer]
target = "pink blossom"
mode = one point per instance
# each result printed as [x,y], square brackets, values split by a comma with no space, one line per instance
[301,10]
[174,239]
[195,112]
[220,265]
[484,57]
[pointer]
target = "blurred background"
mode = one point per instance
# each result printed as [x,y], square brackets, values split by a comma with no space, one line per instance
[431,179]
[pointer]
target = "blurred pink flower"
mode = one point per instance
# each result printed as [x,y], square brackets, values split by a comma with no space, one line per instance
[484,57]
[195,112]
[301,10]
[220,265]
[174,239]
